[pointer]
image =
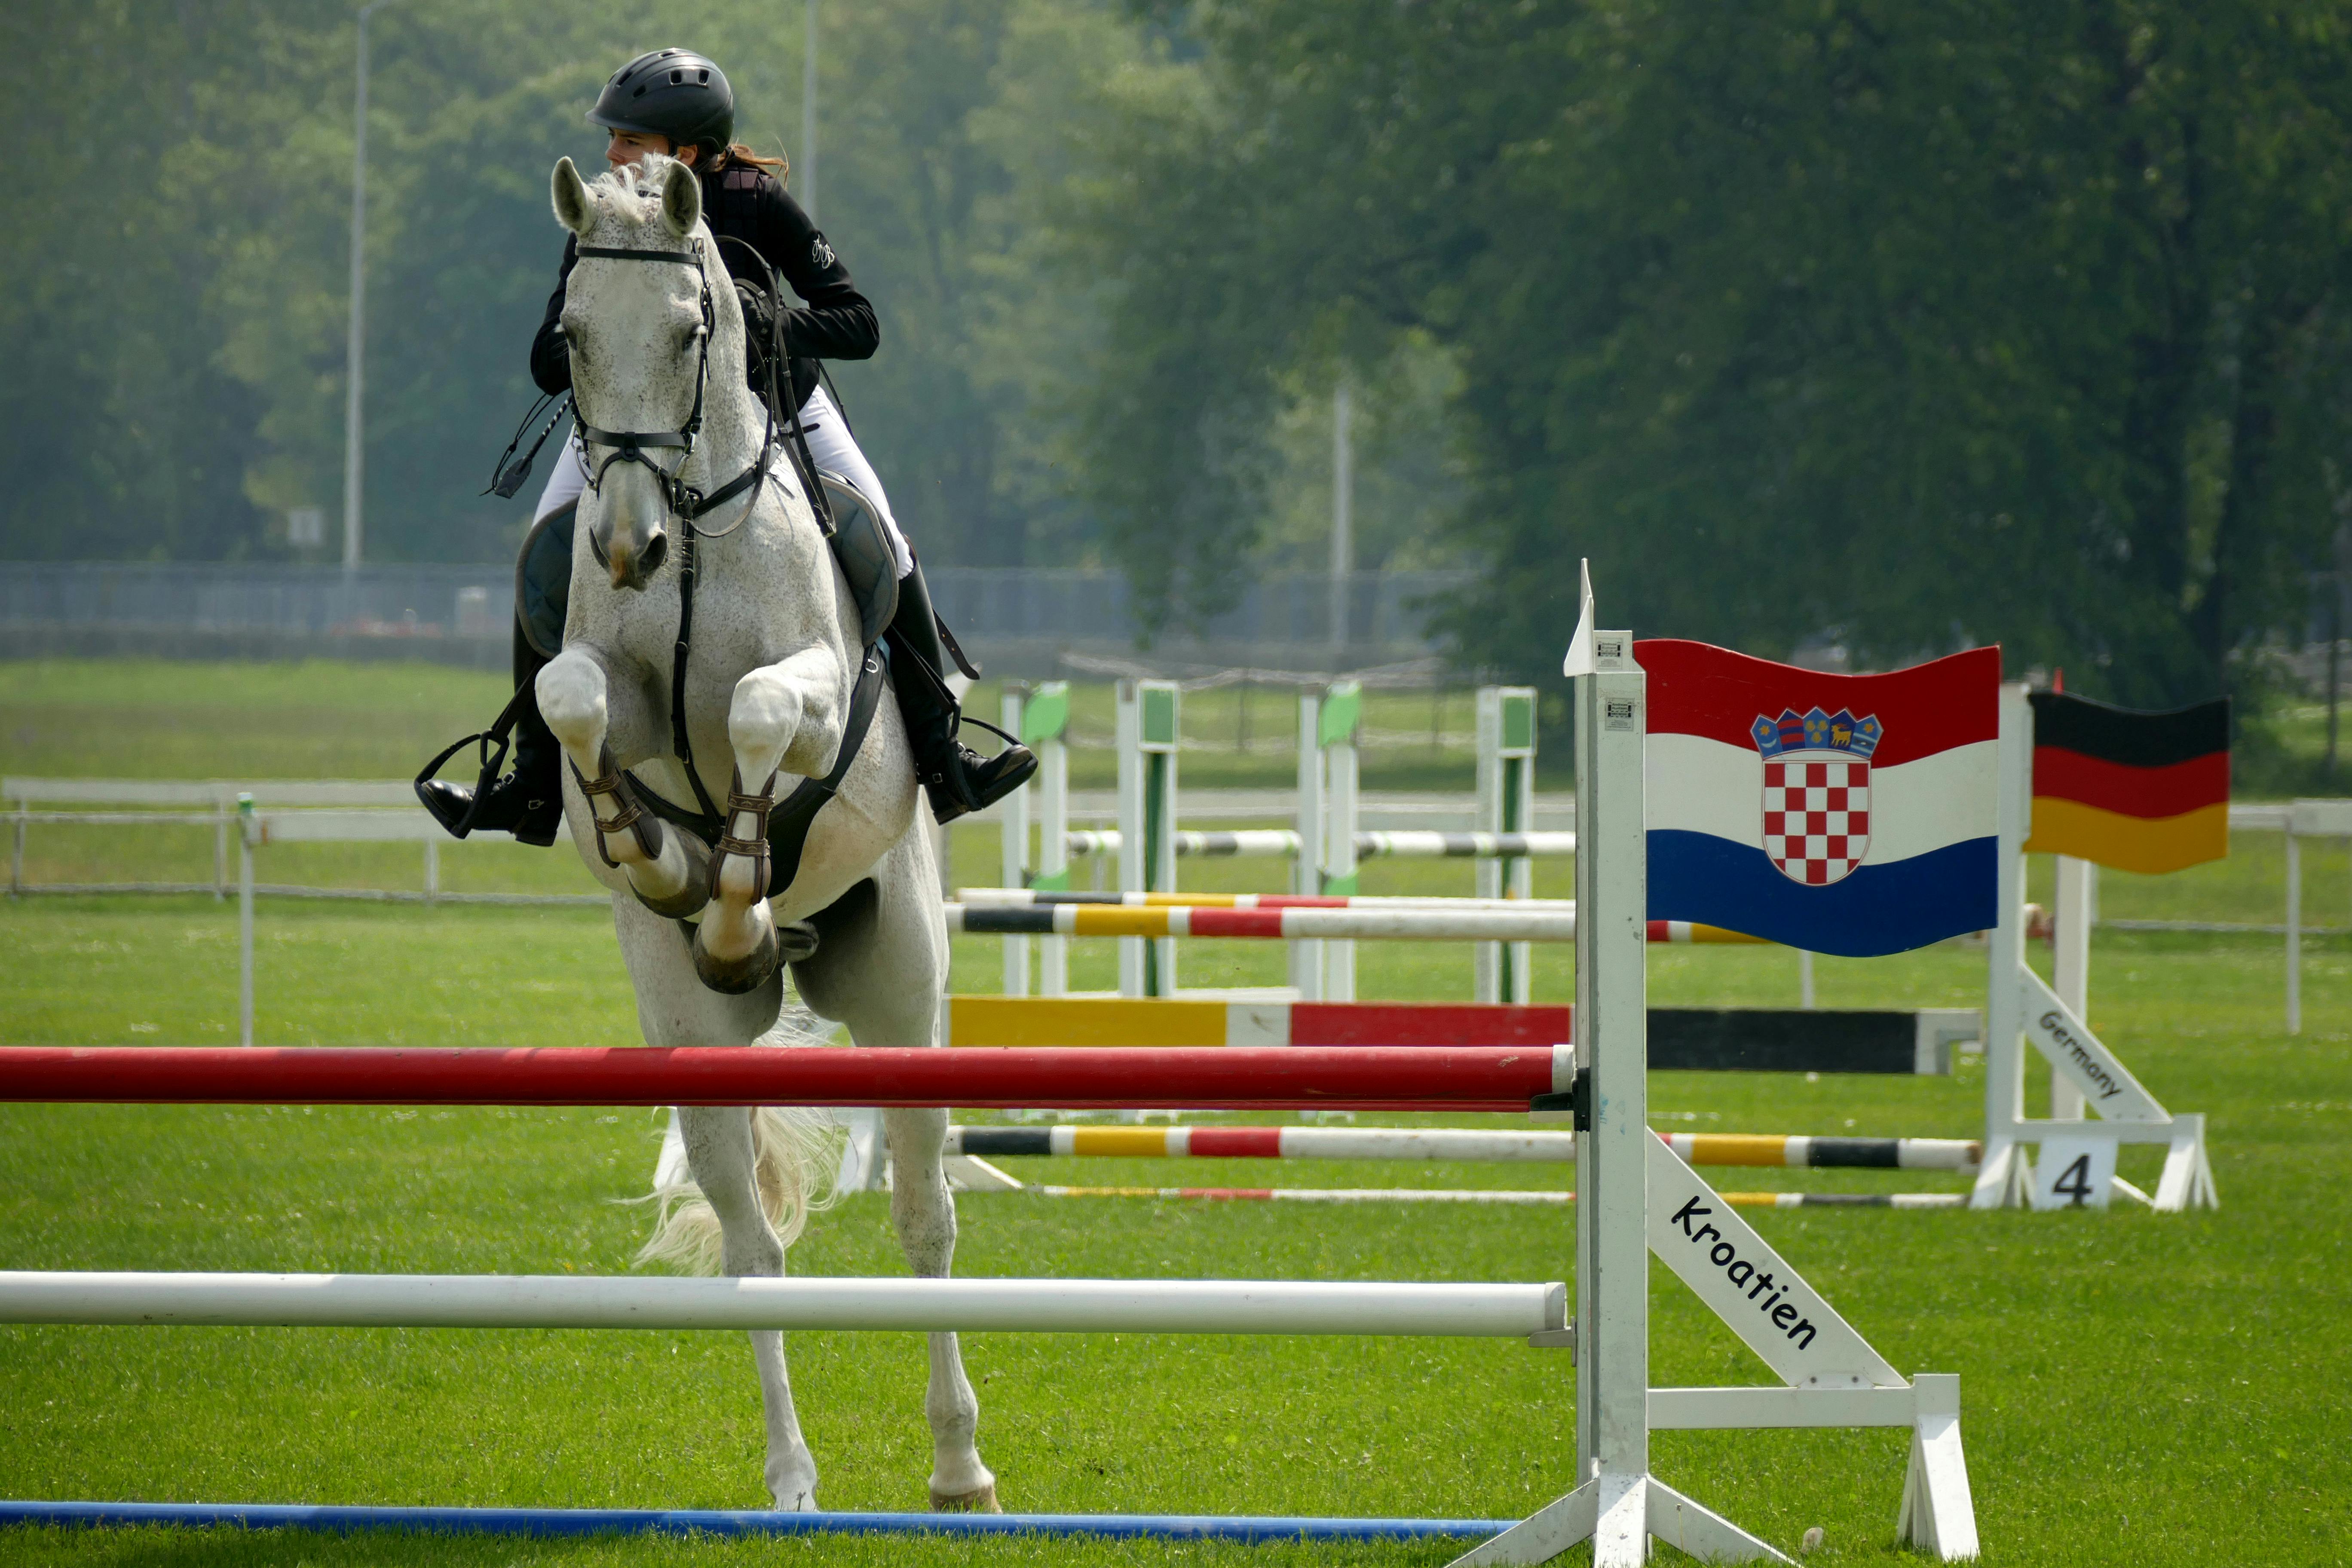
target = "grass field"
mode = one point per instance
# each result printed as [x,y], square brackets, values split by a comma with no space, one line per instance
[2138,1388]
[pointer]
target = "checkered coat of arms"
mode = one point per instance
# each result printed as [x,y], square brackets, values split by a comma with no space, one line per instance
[1816,792]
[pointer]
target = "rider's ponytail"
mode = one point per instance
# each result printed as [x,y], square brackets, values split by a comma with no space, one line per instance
[737,152]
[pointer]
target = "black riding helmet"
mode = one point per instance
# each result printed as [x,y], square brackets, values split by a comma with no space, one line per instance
[674,93]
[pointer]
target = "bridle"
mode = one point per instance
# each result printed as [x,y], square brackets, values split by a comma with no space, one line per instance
[632,446]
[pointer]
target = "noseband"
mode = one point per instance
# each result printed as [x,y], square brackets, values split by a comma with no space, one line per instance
[631,446]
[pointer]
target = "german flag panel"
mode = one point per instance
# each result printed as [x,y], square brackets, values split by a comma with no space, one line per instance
[2139,792]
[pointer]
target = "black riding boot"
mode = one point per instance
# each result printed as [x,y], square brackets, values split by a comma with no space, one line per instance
[527,802]
[956,778]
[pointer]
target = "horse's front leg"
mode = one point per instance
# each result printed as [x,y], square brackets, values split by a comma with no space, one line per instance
[786,718]
[668,872]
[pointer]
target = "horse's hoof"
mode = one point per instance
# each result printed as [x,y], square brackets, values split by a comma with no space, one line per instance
[735,976]
[695,896]
[981,1501]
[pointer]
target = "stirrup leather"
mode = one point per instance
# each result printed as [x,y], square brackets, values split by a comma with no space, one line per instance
[632,816]
[753,849]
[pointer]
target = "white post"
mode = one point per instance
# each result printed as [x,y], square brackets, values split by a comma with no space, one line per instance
[2003,1174]
[1132,873]
[1307,866]
[1805,979]
[220,850]
[1047,723]
[17,852]
[245,837]
[2294,928]
[2071,971]
[433,871]
[1612,1261]
[1505,803]
[1342,717]
[1149,726]
[1013,862]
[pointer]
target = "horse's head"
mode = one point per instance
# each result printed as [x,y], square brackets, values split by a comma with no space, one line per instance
[655,335]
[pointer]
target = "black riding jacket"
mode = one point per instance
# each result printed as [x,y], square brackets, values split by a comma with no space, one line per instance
[747,203]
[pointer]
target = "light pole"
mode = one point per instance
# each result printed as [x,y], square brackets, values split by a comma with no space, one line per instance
[355,353]
[1343,513]
[808,159]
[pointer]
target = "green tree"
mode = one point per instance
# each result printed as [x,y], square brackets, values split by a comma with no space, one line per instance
[1928,324]
[173,298]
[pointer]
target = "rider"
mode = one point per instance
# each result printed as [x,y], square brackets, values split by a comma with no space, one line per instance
[675,102]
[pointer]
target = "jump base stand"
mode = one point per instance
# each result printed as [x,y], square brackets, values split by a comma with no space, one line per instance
[2078,1155]
[1636,1197]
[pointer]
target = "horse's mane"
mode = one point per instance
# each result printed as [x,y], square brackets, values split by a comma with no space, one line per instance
[632,192]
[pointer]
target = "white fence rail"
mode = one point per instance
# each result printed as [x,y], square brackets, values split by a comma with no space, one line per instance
[377,811]
[386,811]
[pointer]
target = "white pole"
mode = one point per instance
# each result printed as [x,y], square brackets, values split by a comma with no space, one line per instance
[2070,968]
[1505,803]
[433,871]
[1487,816]
[1343,514]
[2293,930]
[1339,765]
[1054,836]
[1612,1266]
[1133,877]
[1805,979]
[1307,867]
[607,1301]
[2005,954]
[1520,871]
[356,350]
[245,919]
[806,162]
[1015,860]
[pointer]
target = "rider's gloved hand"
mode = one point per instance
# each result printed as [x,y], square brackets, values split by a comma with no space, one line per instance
[759,321]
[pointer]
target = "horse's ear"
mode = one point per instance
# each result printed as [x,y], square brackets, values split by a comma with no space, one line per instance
[681,199]
[573,210]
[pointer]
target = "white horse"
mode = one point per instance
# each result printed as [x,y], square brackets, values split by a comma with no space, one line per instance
[656,337]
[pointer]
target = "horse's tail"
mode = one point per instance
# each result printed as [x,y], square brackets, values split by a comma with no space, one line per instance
[795,1155]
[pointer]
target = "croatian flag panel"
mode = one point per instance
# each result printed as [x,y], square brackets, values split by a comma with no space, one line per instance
[1844,813]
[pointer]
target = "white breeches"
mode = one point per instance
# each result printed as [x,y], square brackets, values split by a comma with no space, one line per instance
[830,444]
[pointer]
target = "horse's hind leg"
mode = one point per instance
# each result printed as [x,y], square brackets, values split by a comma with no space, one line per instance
[924,1213]
[719,1149]
[880,969]
[674,1008]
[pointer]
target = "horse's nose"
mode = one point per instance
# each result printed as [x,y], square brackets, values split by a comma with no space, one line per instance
[634,562]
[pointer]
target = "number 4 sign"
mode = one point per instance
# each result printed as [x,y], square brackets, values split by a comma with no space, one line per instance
[2074,1174]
